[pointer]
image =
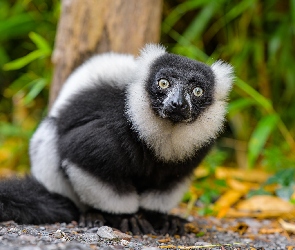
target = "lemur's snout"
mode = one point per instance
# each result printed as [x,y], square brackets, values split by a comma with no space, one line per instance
[177,107]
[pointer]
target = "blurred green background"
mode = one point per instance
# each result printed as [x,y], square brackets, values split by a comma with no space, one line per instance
[257,37]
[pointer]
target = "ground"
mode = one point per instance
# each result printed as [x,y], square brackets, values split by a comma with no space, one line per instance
[206,233]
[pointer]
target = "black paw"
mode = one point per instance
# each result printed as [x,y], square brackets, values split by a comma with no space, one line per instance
[123,222]
[92,218]
[143,222]
[164,223]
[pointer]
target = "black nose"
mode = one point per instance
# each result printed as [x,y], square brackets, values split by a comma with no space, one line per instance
[179,105]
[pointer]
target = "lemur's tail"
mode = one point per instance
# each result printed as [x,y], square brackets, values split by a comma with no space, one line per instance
[26,201]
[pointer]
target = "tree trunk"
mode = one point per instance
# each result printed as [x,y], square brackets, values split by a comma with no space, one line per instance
[95,26]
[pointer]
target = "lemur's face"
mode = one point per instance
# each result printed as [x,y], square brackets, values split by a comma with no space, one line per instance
[180,89]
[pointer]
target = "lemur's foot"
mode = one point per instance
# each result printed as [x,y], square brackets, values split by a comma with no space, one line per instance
[142,222]
[164,223]
[124,222]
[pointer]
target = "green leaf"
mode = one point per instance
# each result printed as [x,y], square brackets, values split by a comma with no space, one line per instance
[238,105]
[179,11]
[40,42]
[23,61]
[260,135]
[260,99]
[38,86]
[15,26]
[283,177]
[197,26]
[285,192]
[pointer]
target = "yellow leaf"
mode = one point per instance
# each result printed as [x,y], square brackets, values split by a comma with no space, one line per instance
[253,175]
[234,213]
[243,187]
[201,172]
[229,198]
[265,203]
[287,226]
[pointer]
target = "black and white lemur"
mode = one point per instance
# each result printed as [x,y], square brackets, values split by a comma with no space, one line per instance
[122,139]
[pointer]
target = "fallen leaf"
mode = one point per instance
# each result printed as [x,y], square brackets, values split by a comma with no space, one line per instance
[201,172]
[289,227]
[241,228]
[265,203]
[168,246]
[225,201]
[253,175]
[234,213]
[242,186]
[164,240]
[270,230]
[191,228]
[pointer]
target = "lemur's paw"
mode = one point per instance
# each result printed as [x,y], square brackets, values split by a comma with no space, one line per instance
[164,223]
[124,222]
[92,218]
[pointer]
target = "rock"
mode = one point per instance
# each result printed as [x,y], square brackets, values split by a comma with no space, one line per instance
[122,236]
[106,232]
[58,234]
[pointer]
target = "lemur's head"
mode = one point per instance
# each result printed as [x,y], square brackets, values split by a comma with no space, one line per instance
[176,104]
[180,89]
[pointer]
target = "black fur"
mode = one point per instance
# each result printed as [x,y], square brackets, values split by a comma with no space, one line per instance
[96,135]
[27,201]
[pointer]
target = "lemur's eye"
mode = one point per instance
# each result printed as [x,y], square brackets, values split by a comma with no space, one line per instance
[163,83]
[198,92]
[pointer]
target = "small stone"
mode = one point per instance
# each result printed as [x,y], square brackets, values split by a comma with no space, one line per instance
[121,235]
[58,234]
[13,230]
[92,230]
[106,232]
[124,242]
[3,231]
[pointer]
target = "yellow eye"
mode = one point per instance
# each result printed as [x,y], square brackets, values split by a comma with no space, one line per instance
[198,92]
[163,83]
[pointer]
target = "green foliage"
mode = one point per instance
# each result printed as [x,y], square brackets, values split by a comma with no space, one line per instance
[27,31]
[284,181]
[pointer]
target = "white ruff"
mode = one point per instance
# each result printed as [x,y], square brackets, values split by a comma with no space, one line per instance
[98,194]
[176,142]
[110,68]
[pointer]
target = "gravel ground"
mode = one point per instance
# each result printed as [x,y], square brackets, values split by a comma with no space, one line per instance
[210,234]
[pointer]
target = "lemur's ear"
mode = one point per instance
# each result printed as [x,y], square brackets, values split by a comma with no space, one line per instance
[152,50]
[224,76]
[149,53]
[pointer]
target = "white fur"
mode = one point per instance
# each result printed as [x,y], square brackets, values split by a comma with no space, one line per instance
[163,201]
[224,77]
[98,194]
[110,67]
[175,142]
[45,161]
